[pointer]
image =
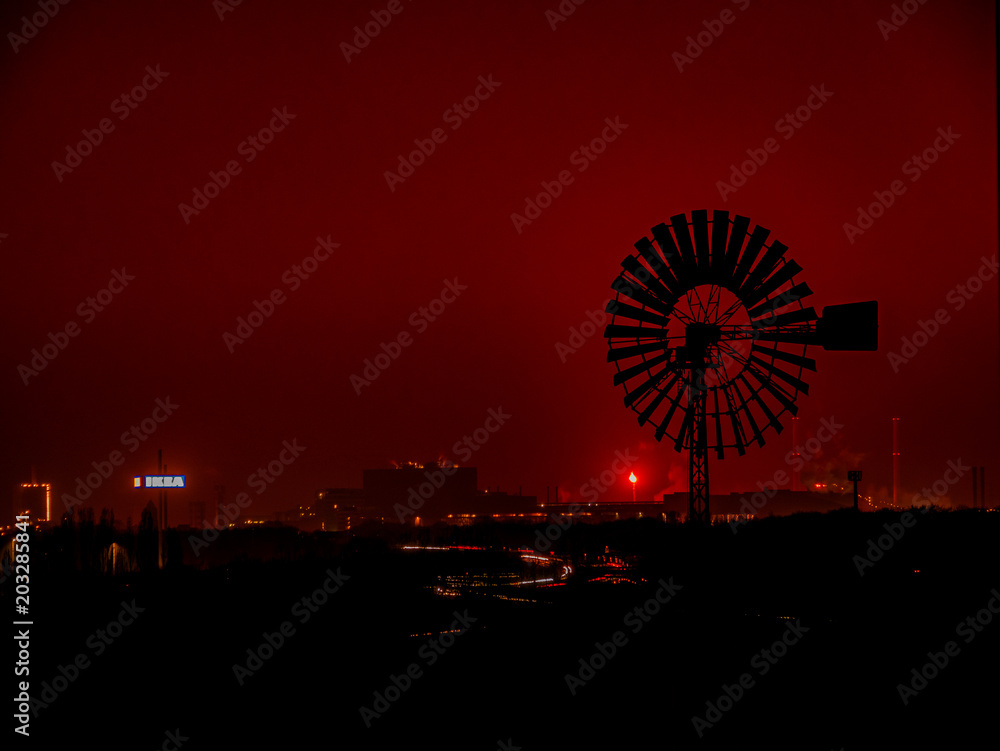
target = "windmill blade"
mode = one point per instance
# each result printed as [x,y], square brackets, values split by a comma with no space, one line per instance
[675,401]
[683,234]
[764,266]
[774,370]
[754,244]
[636,314]
[675,270]
[657,400]
[753,423]
[739,232]
[718,426]
[639,368]
[644,276]
[795,294]
[699,228]
[622,353]
[782,398]
[755,394]
[779,277]
[680,265]
[685,427]
[639,392]
[720,232]
[641,295]
[798,360]
[660,267]
[620,331]
[739,436]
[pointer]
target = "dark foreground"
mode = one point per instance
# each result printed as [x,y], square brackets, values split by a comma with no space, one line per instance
[769,636]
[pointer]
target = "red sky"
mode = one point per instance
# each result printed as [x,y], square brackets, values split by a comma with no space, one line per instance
[62,236]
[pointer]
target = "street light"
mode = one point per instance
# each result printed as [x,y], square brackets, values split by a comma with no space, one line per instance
[632,478]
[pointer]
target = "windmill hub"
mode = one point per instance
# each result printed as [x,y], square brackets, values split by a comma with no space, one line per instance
[698,337]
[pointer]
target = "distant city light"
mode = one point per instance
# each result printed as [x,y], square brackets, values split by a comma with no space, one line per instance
[48,496]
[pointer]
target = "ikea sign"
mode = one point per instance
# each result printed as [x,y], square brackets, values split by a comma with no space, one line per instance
[159,481]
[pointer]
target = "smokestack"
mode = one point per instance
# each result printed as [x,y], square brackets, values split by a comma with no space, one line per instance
[546,495]
[796,484]
[975,487]
[982,486]
[895,461]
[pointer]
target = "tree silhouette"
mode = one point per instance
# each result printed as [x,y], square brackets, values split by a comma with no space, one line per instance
[147,539]
[86,539]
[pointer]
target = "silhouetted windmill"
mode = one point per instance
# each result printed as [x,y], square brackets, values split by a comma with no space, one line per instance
[708,326]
